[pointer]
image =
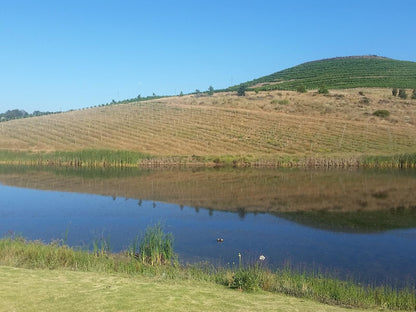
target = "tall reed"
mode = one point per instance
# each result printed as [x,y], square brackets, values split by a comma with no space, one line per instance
[155,248]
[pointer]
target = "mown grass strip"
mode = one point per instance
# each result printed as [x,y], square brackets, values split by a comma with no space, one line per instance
[63,290]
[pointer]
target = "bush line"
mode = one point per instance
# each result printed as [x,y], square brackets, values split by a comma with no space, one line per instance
[125,159]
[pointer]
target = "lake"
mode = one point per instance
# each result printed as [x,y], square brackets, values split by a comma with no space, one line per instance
[358,224]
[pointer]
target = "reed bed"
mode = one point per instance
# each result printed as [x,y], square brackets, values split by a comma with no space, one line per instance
[125,159]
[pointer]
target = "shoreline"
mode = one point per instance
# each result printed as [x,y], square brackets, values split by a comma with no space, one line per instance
[19,253]
[127,159]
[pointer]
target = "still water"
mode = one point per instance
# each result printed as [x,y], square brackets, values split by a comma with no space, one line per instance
[359,224]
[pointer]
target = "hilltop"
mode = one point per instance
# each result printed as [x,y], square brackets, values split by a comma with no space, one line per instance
[340,73]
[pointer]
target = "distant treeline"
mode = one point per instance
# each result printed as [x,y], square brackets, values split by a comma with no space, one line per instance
[20,113]
[136,99]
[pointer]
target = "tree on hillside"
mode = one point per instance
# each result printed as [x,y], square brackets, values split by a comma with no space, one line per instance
[241,90]
[301,88]
[402,94]
[210,91]
[394,91]
[323,90]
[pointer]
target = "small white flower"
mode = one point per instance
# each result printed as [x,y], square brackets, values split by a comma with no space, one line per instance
[262,257]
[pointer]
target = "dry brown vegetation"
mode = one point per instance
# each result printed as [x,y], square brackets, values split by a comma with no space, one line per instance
[265,125]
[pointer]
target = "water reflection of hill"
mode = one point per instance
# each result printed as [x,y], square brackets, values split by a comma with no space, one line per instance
[356,221]
[356,200]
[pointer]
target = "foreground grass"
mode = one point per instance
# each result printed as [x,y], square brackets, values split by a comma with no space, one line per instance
[60,290]
[16,252]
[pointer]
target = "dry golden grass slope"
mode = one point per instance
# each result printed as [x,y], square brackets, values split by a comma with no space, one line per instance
[265,125]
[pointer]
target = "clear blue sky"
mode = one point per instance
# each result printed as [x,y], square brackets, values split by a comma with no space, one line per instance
[61,55]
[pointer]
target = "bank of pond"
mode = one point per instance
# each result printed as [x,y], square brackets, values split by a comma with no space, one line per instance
[338,236]
[155,257]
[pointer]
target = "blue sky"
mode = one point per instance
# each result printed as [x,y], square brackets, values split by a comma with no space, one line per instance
[61,55]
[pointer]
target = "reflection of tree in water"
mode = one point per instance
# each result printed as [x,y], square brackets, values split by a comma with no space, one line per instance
[241,212]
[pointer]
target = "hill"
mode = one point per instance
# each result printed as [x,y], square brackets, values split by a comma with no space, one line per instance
[340,73]
[262,129]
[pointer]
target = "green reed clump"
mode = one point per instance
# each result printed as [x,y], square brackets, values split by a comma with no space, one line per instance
[82,158]
[156,246]
[101,245]
[395,161]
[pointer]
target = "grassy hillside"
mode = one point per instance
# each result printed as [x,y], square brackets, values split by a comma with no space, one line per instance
[342,72]
[263,127]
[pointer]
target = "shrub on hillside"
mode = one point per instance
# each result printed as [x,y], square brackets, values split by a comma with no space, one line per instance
[402,94]
[301,88]
[241,90]
[382,113]
[414,94]
[394,91]
[365,100]
[323,90]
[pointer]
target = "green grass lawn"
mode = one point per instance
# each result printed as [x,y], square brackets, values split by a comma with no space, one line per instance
[62,290]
